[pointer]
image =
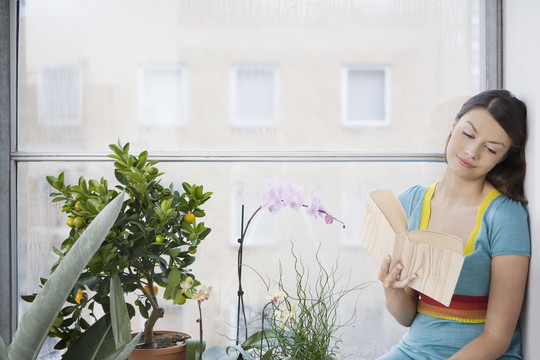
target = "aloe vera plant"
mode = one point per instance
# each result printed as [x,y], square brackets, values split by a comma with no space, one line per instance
[37,320]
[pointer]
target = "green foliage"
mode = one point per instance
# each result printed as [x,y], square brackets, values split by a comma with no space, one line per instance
[37,320]
[299,325]
[130,251]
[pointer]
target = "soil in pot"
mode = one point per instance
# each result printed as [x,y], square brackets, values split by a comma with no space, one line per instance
[167,348]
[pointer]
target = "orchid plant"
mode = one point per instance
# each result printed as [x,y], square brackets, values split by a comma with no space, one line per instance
[274,198]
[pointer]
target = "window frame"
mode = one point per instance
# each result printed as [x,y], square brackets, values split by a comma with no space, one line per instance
[491,74]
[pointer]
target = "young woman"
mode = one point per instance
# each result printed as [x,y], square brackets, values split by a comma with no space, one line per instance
[480,199]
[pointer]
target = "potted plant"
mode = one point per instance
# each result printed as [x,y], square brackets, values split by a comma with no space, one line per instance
[298,324]
[150,246]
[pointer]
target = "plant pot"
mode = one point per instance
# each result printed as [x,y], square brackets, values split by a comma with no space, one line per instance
[177,352]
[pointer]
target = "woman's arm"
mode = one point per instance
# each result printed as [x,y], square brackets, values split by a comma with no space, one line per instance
[506,292]
[401,300]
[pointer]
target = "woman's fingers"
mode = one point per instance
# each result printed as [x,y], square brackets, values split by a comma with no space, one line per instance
[391,278]
[385,266]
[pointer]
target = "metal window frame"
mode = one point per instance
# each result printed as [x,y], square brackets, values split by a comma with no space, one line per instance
[8,255]
[492,75]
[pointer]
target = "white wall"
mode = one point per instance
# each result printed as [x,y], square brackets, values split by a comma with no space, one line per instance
[522,76]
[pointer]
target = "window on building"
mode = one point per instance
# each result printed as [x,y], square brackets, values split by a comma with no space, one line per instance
[366,95]
[254,96]
[162,99]
[60,96]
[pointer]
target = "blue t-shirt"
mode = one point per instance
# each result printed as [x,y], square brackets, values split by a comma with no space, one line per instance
[503,230]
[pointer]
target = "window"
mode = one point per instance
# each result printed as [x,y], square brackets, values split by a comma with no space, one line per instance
[162,99]
[366,95]
[60,96]
[261,92]
[254,96]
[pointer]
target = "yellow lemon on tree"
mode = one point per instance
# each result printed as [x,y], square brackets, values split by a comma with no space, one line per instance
[78,206]
[147,289]
[189,218]
[70,222]
[159,239]
[78,222]
[80,295]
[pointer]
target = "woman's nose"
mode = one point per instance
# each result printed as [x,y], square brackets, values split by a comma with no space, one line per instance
[472,151]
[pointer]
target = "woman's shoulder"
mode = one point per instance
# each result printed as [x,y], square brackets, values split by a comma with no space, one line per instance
[412,197]
[412,193]
[503,206]
[507,222]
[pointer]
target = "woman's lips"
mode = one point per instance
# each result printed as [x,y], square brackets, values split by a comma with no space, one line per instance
[465,163]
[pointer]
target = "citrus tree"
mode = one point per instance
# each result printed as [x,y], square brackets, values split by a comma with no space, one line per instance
[150,246]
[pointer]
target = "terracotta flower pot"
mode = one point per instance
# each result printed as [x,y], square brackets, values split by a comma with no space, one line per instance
[177,352]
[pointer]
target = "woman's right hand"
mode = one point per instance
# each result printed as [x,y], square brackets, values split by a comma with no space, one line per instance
[391,278]
[401,300]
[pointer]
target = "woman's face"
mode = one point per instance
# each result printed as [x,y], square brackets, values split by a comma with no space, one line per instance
[477,144]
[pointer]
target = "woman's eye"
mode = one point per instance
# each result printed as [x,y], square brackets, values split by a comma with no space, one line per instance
[467,134]
[491,150]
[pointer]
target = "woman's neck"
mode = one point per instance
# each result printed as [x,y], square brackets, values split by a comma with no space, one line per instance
[460,191]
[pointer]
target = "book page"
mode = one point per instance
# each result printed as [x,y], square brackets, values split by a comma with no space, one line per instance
[438,270]
[439,239]
[376,233]
[392,209]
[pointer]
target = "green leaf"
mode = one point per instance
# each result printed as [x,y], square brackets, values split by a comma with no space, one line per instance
[198,213]
[3,350]
[28,298]
[38,318]
[142,160]
[187,187]
[174,278]
[121,326]
[96,342]
[204,234]
[193,348]
[117,150]
[83,186]
[173,252]
[123,352]
[132,175]
[268,354]
[198,192]
[93,184]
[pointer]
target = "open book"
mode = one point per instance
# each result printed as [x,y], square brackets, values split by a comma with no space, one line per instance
[436,257]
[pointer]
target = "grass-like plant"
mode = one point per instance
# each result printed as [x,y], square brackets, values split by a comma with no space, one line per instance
[304,323]
[300,324]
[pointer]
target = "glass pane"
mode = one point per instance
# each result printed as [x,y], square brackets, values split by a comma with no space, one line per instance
[342,188]
[366,96]
[431,47]
[162,99]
